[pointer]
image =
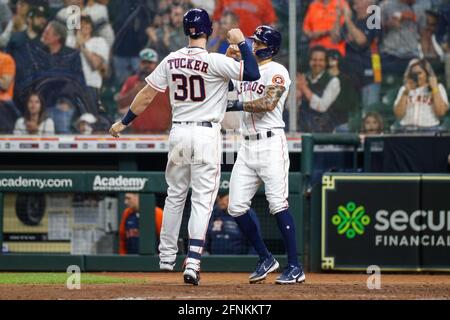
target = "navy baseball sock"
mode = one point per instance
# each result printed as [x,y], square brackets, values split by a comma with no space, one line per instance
[250,230]
[287,228]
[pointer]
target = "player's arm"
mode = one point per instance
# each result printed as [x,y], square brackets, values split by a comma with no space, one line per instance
[139,104]
[251,70]
[267,103]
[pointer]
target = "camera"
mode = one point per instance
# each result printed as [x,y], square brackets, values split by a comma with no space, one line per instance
[414,77]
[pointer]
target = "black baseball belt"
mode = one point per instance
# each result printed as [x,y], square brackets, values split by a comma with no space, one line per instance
[260,135]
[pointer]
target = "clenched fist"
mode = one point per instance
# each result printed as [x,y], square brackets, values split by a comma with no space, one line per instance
[235,36]
[116,128]
[233,52]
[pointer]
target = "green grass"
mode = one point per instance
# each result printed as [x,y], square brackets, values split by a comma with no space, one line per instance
[61,278]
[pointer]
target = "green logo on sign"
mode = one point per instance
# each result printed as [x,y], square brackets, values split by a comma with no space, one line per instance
[350,220]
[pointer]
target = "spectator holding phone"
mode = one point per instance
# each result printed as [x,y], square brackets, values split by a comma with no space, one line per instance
[421,101]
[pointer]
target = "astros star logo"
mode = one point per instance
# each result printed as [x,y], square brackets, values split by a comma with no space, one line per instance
[278,80]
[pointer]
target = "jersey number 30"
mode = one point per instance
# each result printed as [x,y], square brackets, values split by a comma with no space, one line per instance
[194,88]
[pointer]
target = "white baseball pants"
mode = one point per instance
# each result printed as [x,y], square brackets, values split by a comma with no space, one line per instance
[265,160]
[193,161]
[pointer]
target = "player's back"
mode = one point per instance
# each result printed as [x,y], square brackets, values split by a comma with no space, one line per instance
[198,83]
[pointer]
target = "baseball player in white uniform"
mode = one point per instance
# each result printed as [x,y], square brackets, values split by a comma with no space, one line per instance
[198,82]
[263,156]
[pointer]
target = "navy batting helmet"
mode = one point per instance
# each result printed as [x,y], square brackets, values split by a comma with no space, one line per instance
[196,22]
[270,37]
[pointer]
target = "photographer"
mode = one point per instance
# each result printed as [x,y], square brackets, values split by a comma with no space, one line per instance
[421,101]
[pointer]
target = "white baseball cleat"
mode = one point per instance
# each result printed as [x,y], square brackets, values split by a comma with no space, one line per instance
[166,266]
[191,276]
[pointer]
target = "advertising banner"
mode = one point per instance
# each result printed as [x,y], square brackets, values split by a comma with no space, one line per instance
[395,222]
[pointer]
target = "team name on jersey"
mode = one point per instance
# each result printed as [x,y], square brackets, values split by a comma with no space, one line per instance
[186,63]
[424,99]
[251,86]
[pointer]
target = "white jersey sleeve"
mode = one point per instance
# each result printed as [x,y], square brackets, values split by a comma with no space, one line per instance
[226,67]
[158,78]
[278,76]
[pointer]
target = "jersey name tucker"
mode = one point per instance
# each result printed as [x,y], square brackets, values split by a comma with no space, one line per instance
[187,63]
[251,86]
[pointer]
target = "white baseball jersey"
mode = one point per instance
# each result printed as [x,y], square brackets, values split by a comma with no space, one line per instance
[419,109]
[198,83]
[272,73]
[265,160]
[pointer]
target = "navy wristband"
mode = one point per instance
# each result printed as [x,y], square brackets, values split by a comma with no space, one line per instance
[235,105]
[129,117]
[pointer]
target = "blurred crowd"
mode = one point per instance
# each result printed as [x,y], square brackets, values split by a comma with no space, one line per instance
[360,68]
[375,66]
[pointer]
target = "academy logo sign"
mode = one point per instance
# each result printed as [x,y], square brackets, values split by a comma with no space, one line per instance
[119,183]
[350,220]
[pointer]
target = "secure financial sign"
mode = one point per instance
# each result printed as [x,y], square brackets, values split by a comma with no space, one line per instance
[395,222]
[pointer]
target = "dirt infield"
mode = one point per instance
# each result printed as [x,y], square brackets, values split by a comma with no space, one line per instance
[234,286]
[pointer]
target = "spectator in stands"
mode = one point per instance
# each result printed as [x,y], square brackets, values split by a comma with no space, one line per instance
[219,43]
[36,22]
[129,225]
[130,23]
[430,48]
[361,46]
[251,13]
[56,59]
[319,91]
[8,111]
[157,117]
[347,102]
[20,18]
[170,35]
[224,235]
[400,42]
[98,12]
[322,24]
[443,37]
[7,77]
[35,120]
[99,15]
[6,24]
[372,124]
[421,101]
[20,43]
[94,56]
[85,124]
[63,115]
[208,5]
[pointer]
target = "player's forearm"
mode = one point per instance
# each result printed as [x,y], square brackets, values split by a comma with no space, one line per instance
[264,104]
[139,104]
[251,70]
[143,99]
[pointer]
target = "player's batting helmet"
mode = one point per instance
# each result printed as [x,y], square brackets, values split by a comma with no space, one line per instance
[270,37]
[196,22]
